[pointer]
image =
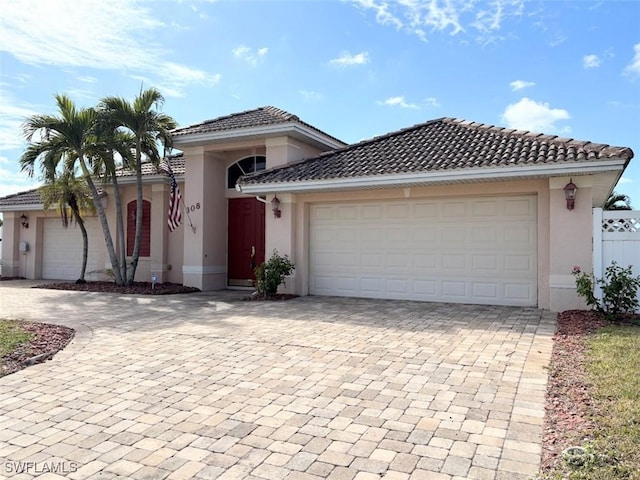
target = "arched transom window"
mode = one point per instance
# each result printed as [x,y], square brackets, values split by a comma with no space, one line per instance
[247,165]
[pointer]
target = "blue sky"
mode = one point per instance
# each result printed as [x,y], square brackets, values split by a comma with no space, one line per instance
[354,68]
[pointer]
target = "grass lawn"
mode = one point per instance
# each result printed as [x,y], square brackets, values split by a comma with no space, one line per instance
[12,335]
[613,368]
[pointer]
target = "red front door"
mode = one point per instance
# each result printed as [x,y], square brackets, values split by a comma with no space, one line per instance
[246,239]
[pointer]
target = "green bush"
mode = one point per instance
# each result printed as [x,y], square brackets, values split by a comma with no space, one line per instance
[619,289]
[270,274]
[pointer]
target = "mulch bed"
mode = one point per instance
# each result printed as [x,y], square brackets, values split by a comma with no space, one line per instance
[569,406]
[47,340]
[137,288]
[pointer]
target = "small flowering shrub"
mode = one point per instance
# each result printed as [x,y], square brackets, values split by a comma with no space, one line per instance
[584,287]
[270,274]
[619,289]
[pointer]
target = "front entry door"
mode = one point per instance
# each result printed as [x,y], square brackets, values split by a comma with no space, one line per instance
[246,240]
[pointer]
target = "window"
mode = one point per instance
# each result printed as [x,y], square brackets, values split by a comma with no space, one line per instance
[243,167]
[145,241]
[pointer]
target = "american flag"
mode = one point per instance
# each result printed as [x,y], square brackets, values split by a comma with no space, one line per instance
[174,217]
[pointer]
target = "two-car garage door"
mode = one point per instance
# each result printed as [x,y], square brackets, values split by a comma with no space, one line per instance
[463,250]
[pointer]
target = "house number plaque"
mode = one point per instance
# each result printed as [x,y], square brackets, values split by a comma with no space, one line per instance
[193,207]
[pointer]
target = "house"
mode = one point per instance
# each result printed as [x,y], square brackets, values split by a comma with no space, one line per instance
[447,210]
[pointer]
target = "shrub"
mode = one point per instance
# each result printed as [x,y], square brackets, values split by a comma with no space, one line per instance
[619,289]
[270,274]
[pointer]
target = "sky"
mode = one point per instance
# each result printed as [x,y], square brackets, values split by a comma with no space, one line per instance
[354,68]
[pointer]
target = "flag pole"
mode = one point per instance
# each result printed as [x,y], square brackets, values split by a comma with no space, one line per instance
[173,180]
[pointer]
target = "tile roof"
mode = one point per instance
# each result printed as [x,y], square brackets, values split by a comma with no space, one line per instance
[259,117]
[444,144]
[177,165]
[32,197]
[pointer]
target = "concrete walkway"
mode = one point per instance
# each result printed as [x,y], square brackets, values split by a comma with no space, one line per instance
[209,386]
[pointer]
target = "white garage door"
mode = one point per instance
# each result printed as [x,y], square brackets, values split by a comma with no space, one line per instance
[62,249]
[463,250]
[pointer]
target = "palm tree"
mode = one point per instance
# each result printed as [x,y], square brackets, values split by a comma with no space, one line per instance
[72,136]
[72,198]
[148,126]
[617,201]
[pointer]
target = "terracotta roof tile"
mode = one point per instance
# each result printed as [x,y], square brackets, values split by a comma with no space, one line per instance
[437,145]
[259,117]
[32,197]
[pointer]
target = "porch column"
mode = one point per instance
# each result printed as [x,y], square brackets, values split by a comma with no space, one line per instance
[10,240]
[159,230]
[280,235]
[205,245]
[570,240]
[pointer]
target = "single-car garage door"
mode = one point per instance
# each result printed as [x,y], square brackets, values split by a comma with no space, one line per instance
[62,249]
[463,250]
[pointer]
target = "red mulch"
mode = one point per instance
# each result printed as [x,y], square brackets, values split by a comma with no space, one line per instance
[569,406]
[47,340]
[138,288]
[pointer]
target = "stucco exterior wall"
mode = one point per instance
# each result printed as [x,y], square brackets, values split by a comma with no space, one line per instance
[564,236]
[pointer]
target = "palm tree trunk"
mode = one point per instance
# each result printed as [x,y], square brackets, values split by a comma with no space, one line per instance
[138,235]
[103,220]
[122,247]
[85,246]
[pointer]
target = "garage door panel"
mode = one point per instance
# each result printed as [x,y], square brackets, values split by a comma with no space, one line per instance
[518,291]
[425,210]
[454,289]
[453,209]
[524,207]
[485,208]
[520,264]
[484,264]
[485,290]
[456,250]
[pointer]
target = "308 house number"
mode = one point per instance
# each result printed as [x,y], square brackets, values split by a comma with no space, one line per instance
[193,207]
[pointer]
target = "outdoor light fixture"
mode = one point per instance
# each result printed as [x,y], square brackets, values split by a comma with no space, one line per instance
[24,221]
[275,207]
[570,194]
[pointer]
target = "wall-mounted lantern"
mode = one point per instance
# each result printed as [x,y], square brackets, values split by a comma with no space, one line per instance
[275,207]
[570,194]
[24,221]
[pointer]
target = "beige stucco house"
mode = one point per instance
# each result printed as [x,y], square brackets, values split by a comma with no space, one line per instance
[447,210]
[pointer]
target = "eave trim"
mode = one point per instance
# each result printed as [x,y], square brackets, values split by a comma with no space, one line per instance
[429,178]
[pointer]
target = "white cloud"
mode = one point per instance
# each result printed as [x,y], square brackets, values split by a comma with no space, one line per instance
[432,102]
[87,79]
[398,101]
[535,116]
[347,59]
[115,35]
[310,95]
[11,119]
[634,67]
[520,84]
[249,55]
[625,180]
[453,16]
[591,61]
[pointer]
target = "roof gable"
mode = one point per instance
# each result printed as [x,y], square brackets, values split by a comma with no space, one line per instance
[257,118]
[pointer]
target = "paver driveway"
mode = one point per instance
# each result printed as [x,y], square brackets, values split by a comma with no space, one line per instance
[208,386]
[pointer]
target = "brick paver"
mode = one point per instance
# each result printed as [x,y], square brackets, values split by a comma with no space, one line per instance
[209,386]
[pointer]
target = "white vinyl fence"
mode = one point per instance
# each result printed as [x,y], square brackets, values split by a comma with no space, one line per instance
[616,238]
